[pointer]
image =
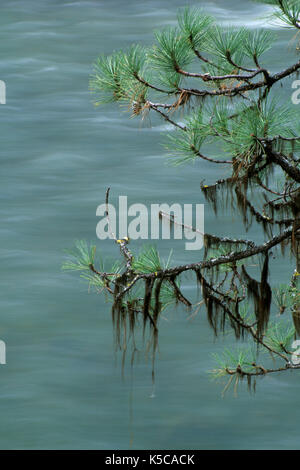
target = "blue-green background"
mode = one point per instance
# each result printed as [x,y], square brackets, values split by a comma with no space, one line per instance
[62,385]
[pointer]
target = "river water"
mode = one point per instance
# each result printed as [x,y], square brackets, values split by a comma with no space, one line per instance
[62,385]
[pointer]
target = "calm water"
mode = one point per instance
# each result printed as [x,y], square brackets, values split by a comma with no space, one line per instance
[62,385]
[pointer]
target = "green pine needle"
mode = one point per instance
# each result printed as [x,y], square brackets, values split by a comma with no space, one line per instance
[107,80]
[149,261]
[196,26]
[225,42]
[279,336]
[172,53]
[258,42]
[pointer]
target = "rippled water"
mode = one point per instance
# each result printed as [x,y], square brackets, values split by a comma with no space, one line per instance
[62,385]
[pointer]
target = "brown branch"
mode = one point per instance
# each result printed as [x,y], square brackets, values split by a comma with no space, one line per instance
[224,259]
[123,243]
[239,321]
[212,160]
[165,116]
[260,370]
[206,77]
[149,85]
[246,87]
[283,162]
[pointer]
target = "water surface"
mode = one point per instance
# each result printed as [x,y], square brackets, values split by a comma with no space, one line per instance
[62,385]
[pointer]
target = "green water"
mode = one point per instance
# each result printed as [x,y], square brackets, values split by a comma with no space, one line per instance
[62,385]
